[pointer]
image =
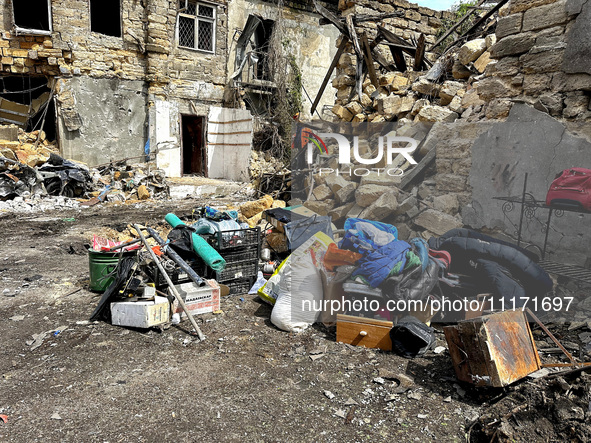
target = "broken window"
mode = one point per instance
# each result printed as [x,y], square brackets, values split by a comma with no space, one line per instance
[32,17]
[105,17]
[196,26]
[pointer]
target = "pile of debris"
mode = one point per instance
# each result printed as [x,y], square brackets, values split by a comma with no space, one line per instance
[33,174]
[442,93]
[30,148]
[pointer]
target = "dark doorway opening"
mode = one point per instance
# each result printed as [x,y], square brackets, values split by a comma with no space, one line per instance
[105,17]
[32,14]
[262,40]
[33,92]
[194,155]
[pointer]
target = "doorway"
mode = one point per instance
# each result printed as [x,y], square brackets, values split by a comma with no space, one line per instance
[194,155]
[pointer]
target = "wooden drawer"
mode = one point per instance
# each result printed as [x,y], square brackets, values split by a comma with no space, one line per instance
[359,331]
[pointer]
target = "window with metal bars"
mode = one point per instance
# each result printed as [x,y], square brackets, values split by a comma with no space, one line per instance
[196,26]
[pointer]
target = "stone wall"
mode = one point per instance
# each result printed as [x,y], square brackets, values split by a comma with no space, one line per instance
[541,57]
[145,63]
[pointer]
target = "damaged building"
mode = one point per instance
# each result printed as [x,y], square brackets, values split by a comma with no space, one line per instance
[125,78]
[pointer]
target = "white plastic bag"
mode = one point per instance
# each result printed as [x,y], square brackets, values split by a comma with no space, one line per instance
[300,296]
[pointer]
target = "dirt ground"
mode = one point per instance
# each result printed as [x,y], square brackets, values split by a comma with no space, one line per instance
[248,381]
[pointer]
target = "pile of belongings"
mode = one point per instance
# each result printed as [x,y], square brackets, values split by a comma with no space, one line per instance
[370,263]
[122,182]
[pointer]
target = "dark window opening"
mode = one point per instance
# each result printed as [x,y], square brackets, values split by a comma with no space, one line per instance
[194,154]
[262,40]
[32,14]
[105,17]
[34,93]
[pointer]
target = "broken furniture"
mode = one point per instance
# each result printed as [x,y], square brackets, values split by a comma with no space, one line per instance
[494,350]
[360,331]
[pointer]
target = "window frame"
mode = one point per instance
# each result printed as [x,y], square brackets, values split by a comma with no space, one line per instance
[197,18]
[32,31]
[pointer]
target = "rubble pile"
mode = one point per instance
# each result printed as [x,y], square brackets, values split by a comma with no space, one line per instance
[33,176]
[523,54]
[31,148]
[262,163]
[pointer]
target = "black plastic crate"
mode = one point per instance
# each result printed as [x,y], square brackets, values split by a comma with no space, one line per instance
[240,286]
[239,238]
[242,254]
[234,270]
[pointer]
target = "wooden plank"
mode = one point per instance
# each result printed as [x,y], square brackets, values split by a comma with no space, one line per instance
[353,36]
[330,17]
[398,57]
[454,27]
[420,54]
[420,167]
[331,68]
[479,22]
[369,61]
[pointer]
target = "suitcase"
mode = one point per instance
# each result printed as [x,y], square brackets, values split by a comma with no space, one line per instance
[571,189]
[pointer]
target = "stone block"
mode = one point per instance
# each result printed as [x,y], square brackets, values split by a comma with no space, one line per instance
[575,105]
[383,207]
[482,62]
[390,104]
[524,5]
[509,25]
[456,104]
[406,205]
[354,108]
[249,209]
[471,50]
[433,113]
[513,45]
[365,195]
[459,71]
[320,207]
[342,81]
[355,211]
[550,61]
[346,193]
[578,50]
[447,203]
[408,102]
[425,87]
[535,84]
[419,104]
[335,182]
[449,90]
[493,87]
[340,212]
[342,113]
[498,109]
[322,192]
[545,16]
[437,222]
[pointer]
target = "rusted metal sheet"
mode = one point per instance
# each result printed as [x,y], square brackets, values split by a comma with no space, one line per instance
[493,350]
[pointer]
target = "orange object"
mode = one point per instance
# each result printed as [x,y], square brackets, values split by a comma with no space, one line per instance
[157,251]
[335,257]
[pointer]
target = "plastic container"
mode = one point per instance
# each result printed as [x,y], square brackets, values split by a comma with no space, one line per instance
[239,238]
[101,264]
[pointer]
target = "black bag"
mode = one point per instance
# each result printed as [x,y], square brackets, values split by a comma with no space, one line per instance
[410,337]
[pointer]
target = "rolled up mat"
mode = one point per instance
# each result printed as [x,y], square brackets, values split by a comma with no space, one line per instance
[210,256]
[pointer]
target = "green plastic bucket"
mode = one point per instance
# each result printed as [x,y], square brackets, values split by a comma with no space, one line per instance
[102,264]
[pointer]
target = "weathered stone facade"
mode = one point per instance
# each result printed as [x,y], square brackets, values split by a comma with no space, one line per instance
[143,66]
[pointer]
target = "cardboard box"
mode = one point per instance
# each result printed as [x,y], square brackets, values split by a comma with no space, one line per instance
[140,314]
[199,299]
